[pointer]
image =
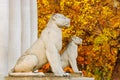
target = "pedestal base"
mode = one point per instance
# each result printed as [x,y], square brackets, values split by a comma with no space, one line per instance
[49,76]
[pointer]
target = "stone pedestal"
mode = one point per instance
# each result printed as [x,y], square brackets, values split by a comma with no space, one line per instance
[37,78]
[49,76]
[81,78]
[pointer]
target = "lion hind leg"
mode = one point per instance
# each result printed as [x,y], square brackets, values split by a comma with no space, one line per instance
[26,63]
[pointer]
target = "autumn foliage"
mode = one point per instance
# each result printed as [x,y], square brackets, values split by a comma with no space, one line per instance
[97,22]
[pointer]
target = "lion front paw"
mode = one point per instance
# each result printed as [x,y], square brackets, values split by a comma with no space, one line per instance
[63,75]
[40,74]
[66,75]
[80,72]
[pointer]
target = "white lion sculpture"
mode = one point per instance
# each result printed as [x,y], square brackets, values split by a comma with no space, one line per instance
[45,49]
[68,57]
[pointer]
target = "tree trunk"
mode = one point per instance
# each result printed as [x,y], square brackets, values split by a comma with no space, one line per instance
[116,70]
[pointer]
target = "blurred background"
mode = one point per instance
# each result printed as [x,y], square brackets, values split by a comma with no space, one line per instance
[97,22]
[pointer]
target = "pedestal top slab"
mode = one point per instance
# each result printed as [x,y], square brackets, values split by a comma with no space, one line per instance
[81,78]
[49,76]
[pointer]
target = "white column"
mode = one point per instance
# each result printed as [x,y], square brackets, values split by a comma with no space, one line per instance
[14,50]
[33,15]
[25,8]
[4,24]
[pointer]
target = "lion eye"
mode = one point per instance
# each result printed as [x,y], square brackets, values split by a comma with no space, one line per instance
[57,16]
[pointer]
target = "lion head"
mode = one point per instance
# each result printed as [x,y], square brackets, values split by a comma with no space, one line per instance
[77,40]
[60,20]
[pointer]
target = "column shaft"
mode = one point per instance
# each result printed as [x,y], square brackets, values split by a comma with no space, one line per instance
[4,26]
[34,28]
[14,33]
[25,8]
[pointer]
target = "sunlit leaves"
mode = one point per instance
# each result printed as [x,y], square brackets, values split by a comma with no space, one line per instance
[106,11]
[100,40]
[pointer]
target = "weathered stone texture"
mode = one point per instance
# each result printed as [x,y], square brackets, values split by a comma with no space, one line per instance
[49,76]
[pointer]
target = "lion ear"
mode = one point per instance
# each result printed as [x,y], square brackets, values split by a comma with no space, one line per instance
[73,37]
[54,16]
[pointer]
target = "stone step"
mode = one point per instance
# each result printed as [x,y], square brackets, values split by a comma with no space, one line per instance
[38,74]
[49,76]
[81,78]
[36,78]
